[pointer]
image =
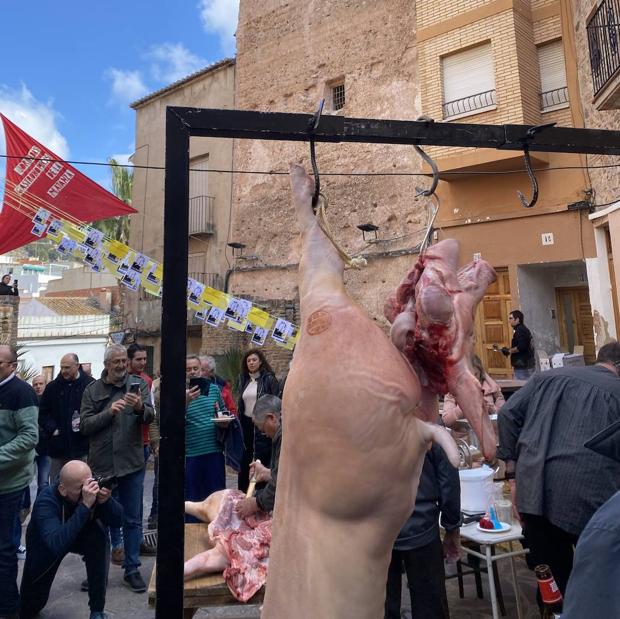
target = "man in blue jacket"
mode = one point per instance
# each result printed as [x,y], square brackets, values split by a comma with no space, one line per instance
[71,515]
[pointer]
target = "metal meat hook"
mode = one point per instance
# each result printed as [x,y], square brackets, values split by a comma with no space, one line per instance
[431,163]
[531,132]
[313,123]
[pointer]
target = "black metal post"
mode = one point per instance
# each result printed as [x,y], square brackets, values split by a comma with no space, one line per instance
[294,127]
[169,604]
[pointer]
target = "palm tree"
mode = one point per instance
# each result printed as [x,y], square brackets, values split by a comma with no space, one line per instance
[117,228]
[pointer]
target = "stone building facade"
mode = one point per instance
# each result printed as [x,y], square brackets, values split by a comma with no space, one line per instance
[9,315]
[598,66]
[390,59]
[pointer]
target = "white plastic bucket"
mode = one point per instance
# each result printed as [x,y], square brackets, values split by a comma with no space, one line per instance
[476,487]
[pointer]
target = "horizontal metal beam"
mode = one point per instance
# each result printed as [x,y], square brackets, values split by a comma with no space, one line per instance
[294,127]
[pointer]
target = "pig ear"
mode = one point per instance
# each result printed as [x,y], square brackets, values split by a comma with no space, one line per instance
[436,434]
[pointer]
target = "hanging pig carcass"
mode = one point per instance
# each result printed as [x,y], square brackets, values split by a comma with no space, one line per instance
[353,445]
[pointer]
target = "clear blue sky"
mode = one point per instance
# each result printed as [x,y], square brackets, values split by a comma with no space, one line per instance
[70,69]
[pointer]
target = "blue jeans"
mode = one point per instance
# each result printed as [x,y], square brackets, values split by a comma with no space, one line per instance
[40,570]
[129,493]
[44,465]
[10,504]
[203,476]
[523,373]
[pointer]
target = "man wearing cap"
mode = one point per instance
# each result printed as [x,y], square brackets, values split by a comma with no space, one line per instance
[593,589]
[557,482]
[112,415]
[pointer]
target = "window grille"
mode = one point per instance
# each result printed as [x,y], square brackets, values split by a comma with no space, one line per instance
[338,97]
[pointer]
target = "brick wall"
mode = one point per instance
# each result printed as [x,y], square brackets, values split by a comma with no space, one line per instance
[216,341]
[9,313]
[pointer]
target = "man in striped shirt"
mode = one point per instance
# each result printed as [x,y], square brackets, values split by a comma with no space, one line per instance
[204,458]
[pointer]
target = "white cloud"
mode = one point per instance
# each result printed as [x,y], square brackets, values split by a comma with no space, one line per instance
[36,118]
[173,61]
[127,86]
[220,16]
[122,158]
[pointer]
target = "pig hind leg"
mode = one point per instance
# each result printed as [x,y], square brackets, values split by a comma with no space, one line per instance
[320,268]
[207,562]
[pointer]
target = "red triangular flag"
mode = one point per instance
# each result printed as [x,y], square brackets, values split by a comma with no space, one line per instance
[53,185]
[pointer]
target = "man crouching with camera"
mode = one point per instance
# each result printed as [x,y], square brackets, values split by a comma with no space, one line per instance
[69,516]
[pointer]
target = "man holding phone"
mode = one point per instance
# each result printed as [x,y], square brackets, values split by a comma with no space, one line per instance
[69,516]
[112,415]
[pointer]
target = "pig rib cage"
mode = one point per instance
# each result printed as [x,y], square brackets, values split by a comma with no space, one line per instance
[183,123]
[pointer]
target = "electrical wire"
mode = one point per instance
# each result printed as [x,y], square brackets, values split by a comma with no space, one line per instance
[371,174]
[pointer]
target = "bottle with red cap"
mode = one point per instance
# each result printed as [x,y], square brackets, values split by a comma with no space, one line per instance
[549,592]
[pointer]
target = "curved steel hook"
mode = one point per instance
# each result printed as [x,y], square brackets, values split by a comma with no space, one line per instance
[431,163]
[313,123]
[531,132]
[530,173]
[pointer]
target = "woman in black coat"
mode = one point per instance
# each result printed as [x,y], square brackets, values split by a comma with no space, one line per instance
[256,379]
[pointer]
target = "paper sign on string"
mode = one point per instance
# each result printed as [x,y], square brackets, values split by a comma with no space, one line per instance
[41,216]
[66,246]
[194,294]
[259,336]
[54,230]
[93,238]
[215,316]
[38,229]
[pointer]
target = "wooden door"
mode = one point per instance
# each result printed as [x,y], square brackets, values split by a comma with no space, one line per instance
[575,321]
[491,326]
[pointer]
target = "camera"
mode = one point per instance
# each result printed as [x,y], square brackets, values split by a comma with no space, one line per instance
[104,482]
[134,388]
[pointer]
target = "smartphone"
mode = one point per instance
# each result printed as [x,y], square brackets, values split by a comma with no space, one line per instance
[134,388]
[199,381]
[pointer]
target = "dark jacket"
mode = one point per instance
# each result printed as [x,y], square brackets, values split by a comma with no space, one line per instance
[266,497]
[8,290]
[60,400]
[522,339]
[439,492]
[593,589]
[116,447]
[56,523]
[267,384]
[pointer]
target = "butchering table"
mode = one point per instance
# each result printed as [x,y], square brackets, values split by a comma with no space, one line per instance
[490,552]
[210,590]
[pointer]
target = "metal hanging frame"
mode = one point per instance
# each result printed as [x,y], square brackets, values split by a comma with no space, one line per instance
[183,123]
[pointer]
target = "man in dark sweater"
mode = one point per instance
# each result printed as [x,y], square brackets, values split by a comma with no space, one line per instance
[18,437]
[267,418]
[69,516]
[59,415]
[418,547]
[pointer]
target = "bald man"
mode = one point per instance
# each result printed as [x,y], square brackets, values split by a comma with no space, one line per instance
[59,415]
[71,515]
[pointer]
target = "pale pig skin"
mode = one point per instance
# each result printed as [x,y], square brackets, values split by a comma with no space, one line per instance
[352,447]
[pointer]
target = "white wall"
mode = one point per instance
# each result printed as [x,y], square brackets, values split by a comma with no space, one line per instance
[48,351]
[537,284]
[599,283]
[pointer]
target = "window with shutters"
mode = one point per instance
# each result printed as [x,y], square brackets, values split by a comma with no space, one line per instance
[554,92]
[200,202]
[468,82]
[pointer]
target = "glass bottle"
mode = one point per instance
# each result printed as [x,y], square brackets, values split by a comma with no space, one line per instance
[549,592]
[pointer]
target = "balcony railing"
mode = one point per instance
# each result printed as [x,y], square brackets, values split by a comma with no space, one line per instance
[201,215]
[474,103]
[604,42]
[554,99]
[208,279]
